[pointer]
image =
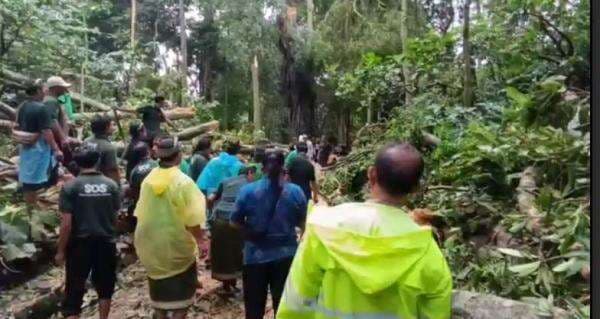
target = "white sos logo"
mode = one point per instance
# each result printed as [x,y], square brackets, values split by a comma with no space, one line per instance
[95,188]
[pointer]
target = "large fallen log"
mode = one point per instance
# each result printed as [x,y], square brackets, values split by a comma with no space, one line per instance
[194,131]
[6,125]
[21,78]
[471,305]
[8,110]
[178,113]
[526,194]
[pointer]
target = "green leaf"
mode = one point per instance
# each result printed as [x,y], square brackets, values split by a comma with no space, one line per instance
[525,269]
[521,99]
[12,252]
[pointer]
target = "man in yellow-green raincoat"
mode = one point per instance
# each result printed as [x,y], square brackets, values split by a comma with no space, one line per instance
[370,260]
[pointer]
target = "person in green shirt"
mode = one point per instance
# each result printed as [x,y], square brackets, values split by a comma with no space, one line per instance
[67,103]
[60,123]
[256,162]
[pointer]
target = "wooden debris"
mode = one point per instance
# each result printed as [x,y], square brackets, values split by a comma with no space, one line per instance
[8,110]
[526,194]
[194,131]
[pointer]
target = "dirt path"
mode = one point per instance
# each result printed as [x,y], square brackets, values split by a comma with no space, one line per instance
[131,299]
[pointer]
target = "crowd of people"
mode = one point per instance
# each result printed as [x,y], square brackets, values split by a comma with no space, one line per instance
[254,220]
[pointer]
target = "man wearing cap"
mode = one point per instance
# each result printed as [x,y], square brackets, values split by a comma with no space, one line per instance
[57,87]
[170,214]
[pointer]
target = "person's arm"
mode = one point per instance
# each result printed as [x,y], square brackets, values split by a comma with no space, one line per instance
[110,164]
[194,214]
[305,279]
[314,186]
[436,302]
[48,136]
[166,118]
[124,110]
[238,217]
[58,132]
[66,206]
[63,238]
[214,197]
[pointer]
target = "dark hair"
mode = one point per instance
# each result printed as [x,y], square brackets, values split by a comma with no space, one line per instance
[100,124]
[86,156]
[247,169]
[203,144]
[159,99]
[259,155]
[302,147]
[32,89]
[135,129]
[140,150]
[399,167]
[233,148]
[273,164]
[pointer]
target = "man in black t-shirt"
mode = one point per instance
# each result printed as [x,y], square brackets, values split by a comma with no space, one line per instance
[37,169]
[102,129]
[302,173]
[89,206]
[152,116]
[141,170]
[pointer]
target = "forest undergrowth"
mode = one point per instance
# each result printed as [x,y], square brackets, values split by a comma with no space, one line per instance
[509,185]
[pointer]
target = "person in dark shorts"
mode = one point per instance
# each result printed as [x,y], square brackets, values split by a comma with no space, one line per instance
[302,173]
[38,167]
[89,205]
[226,241]
[200,157]
[268,212]
[102,129]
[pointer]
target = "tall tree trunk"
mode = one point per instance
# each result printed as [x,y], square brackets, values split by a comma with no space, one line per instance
[297,84]
[256,96]
[133,22]
[184,62]
[130,78]
[310,11]
[84,64]
[404,39]
[468,71]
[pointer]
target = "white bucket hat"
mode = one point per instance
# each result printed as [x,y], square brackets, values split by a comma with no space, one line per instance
[57,81]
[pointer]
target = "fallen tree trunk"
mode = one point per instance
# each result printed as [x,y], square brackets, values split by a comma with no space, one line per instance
[194,131]
[8,110]
[470,305]
[6,125]
[178,113]
[526,194]
[21,78]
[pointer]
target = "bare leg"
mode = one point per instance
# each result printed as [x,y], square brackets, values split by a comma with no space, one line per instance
[159,314]
[104,308]
[180,314]
[30,203]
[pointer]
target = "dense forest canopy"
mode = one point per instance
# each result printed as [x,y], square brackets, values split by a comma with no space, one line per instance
[500,86]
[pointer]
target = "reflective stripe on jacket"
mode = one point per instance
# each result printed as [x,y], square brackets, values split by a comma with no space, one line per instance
[366,261]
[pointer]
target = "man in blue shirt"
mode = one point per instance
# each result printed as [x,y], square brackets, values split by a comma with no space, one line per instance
[268,212]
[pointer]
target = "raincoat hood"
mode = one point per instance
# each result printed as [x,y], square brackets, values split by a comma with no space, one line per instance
[159,179]
[354,239]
